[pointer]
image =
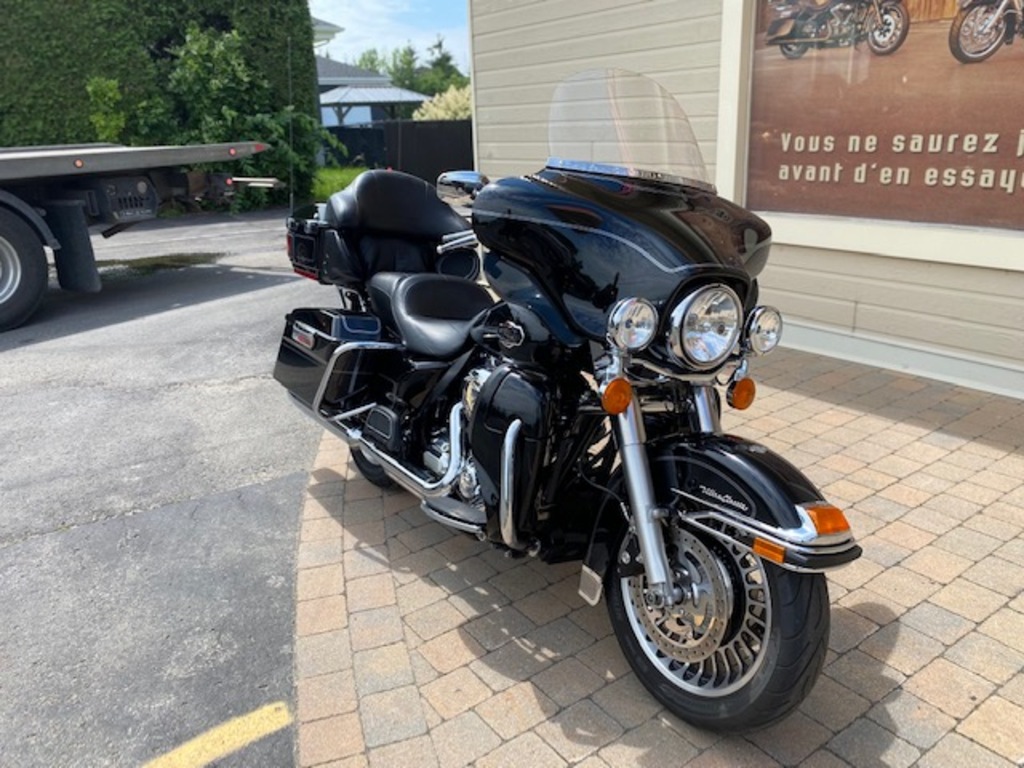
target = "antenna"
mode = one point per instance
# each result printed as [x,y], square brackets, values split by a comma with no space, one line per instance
[291,131]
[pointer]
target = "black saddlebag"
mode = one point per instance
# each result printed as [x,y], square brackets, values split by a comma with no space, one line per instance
[310,339]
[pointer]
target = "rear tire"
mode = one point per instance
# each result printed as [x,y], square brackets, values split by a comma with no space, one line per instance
[740,656]
[371,469]
[968,42]
[23,271]
[793,50]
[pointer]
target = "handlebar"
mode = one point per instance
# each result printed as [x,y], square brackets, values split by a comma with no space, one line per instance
[453,241]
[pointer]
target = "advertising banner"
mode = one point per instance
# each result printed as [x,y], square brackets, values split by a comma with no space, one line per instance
[876,115]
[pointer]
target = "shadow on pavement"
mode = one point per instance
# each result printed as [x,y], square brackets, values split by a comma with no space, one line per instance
[132,295]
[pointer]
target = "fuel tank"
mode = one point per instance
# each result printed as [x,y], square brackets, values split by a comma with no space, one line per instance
[574,243]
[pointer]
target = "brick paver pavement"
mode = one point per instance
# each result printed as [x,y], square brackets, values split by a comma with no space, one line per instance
[418,646]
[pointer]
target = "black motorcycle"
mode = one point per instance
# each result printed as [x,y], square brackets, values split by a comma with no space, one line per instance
[569,409]
[982,27]
[799,25]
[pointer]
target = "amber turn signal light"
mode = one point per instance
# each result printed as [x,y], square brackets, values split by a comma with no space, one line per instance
[769,551]
[741,394]
[828,519]
[616,396]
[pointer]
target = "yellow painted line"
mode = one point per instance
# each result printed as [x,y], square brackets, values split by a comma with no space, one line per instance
[226,738]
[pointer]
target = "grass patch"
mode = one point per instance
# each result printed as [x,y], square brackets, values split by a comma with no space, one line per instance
[330,180]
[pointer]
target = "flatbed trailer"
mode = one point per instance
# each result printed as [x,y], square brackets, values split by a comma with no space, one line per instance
[50,197]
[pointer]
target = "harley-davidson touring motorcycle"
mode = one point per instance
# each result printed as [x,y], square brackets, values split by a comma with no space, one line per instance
[567,406]
[982,27]
[799,25]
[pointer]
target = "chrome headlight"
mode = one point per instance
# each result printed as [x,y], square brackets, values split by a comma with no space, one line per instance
[705,326]
[632,324]
[764,330]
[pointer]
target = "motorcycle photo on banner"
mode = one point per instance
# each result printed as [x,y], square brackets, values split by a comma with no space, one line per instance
[982,27]
[568,406]
[799,25]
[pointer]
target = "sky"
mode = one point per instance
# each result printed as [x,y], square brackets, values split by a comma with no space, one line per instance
[392,24]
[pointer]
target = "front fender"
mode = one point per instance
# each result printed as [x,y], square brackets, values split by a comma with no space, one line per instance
[738,489]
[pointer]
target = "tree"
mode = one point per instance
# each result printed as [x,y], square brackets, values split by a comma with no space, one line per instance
[441,72]
[372,61]
[120,70]
[403,69]
[216,95]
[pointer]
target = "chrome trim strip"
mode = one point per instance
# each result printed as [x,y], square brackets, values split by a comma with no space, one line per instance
[505,509]
[799,540]
[698,524]
[609,169]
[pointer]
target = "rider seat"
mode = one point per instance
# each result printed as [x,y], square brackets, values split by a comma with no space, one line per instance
[432,313]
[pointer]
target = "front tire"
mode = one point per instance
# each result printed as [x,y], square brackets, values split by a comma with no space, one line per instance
[23,271]
[975,35]
[887,31]
[741,652]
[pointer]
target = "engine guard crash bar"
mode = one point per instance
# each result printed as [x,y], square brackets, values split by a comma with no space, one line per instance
[353,435]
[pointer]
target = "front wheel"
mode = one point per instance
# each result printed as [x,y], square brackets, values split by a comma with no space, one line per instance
[888,29]
[977,32]
[742,649]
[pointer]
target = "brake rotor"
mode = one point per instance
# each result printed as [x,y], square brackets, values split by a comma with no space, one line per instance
[693,629]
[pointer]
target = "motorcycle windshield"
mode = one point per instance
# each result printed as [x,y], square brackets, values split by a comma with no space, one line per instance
[620,123]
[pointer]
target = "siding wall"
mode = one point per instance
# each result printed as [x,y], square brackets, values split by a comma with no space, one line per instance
[964,312]
[523,48]
[958,323]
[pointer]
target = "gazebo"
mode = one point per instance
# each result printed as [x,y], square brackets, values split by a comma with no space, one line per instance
[388,97]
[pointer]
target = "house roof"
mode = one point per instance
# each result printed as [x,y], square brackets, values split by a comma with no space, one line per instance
[336,73]
[361,96]
[324,31]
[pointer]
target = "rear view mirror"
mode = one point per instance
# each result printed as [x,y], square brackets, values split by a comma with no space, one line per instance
[460,187]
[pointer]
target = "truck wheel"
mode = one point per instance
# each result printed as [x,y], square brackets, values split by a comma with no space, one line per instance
[23,271]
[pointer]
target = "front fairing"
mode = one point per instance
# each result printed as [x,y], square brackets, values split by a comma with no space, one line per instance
[588,240]
[622,209]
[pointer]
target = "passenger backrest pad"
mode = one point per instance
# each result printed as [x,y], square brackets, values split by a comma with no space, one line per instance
[394,204]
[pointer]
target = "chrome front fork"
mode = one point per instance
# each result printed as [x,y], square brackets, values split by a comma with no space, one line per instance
[646,514]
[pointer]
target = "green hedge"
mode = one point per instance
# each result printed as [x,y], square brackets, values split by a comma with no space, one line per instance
[77,71]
